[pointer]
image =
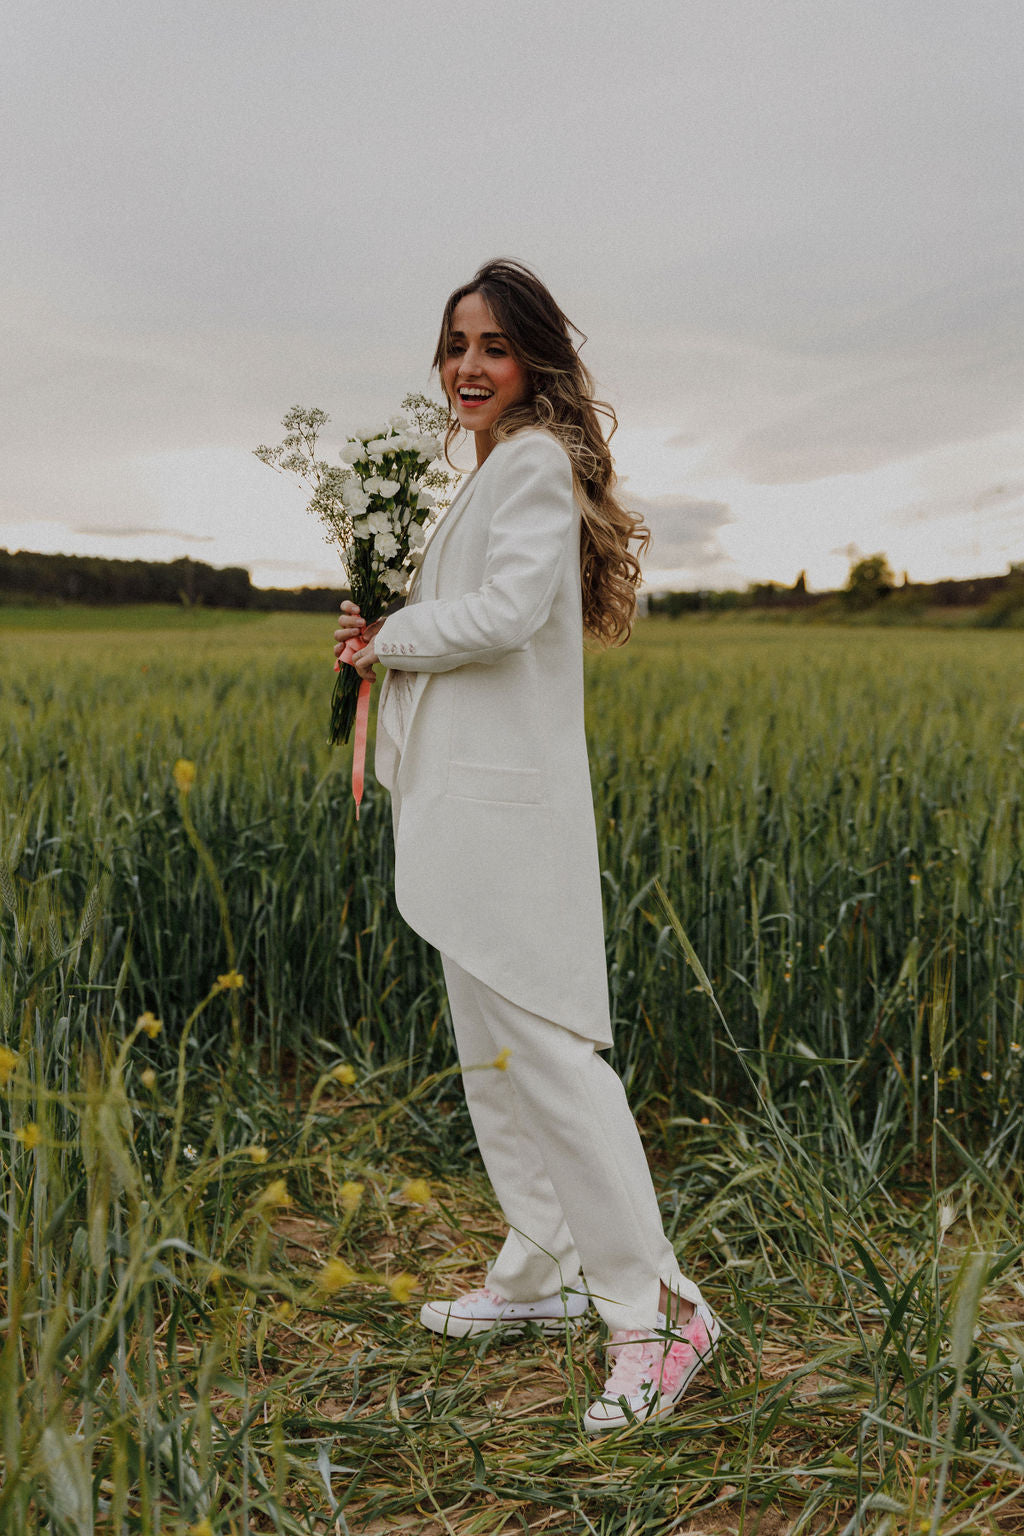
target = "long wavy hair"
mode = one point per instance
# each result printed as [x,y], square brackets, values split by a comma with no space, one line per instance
[561,399]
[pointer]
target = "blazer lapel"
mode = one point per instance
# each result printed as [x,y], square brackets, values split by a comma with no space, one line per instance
[425,582]
[423,587]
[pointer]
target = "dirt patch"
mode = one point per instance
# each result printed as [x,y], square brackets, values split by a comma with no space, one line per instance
[306,1239]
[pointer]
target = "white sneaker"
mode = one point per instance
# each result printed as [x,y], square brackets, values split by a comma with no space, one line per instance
[479,1311]
[652,1370]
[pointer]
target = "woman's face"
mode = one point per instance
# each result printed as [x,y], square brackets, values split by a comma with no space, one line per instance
[480,376]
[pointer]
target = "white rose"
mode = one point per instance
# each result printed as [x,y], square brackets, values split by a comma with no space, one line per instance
[425,498]
[394,580]
[372,484]
[352,451]
[390,487]
[417,538]
[399,422]
[376,451]
[361,528]
[385,545]
[379,522]
[415,558]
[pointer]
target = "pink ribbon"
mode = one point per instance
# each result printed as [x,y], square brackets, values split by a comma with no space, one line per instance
[352,648]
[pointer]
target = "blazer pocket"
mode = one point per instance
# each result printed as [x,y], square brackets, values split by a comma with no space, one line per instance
[479,781]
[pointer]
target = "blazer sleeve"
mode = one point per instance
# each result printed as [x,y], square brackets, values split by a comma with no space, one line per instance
[530,536]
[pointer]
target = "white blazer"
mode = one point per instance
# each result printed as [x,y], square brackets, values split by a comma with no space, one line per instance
[496,858]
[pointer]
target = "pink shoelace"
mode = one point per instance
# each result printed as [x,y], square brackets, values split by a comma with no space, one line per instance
[642,1360]
[483,1294]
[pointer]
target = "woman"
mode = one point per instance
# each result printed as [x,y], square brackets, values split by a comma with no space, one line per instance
[481,743]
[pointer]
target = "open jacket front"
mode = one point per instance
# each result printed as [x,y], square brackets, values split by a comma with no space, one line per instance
[496,858]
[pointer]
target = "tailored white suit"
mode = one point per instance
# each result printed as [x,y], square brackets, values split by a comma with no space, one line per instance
[496,864]
[495,847]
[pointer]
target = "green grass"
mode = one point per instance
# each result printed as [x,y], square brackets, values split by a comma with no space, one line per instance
[63,618]
[835,820]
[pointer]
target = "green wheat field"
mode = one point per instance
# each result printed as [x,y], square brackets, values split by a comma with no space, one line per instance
[236,1157]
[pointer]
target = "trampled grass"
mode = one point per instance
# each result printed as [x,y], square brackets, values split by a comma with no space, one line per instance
[211,1226]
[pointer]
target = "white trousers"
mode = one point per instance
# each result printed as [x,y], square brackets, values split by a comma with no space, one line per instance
[564,1155]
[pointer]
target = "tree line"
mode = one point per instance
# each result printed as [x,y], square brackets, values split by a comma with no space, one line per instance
[26,576]
[871,587]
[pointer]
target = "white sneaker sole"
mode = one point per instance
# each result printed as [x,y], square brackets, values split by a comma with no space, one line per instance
[438,1319]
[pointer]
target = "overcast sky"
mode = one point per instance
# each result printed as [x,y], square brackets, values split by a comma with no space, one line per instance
[792,231]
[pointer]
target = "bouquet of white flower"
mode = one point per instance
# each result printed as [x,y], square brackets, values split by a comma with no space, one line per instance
[376,506]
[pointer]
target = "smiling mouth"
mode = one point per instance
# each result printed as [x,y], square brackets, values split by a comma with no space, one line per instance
[475,396]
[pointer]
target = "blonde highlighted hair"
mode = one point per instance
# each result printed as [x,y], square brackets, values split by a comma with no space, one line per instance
[561,399]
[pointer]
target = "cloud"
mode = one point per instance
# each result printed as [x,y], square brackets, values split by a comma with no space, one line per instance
[684,535]
[1002,498]
[101,531]
[971,524]
[896,409]
[895,379]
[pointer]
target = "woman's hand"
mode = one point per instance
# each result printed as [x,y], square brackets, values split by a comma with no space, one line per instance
[351,626]
[365,661]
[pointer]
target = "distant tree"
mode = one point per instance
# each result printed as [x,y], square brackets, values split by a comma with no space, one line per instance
[869,581]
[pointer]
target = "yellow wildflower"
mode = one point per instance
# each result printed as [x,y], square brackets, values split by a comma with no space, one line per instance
[1015,1047]
[986,1077]
[184,772]
[334,1276]
[276,1193]
[351,1194]
[148,1078]
[416,1190]
[231,981]
[284,1311]
[216,1275]
[915,879]
[149,1024]
[344,1074]
[9,1060]
[29,1135]
[258,1154]
[953,1074]
[201,1528]
[501,1060]
[402,1287]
